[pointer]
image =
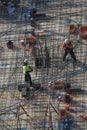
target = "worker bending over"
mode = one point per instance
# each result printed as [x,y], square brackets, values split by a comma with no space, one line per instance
[67,46]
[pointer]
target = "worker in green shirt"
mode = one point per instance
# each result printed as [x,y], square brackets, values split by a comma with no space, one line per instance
[26,70]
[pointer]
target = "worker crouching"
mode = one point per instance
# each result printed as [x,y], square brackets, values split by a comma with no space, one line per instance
[67,45]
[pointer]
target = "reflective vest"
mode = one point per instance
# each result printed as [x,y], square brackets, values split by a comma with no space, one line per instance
[66,46]
[26,69]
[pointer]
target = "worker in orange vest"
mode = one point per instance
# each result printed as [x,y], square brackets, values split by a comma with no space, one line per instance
[67,45]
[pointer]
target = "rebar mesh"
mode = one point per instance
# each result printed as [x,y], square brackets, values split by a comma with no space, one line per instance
[42,110]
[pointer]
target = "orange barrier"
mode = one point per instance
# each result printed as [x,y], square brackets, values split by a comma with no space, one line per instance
[72,28]
[30,39]
[57,84]
[83,32]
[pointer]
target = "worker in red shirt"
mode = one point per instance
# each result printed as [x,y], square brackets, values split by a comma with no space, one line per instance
[67,45]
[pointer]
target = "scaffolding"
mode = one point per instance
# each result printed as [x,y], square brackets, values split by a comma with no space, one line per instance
[46,108]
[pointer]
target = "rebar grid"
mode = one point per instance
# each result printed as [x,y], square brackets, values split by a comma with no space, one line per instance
[41,112]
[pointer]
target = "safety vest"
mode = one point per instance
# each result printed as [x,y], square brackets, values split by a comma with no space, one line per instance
[26,69]
[70,46]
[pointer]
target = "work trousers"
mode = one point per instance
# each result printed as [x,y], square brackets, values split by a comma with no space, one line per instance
[69,52]
[28,78]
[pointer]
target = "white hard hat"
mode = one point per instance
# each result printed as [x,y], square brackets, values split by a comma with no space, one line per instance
[26,61]
[66,41]
[21,41]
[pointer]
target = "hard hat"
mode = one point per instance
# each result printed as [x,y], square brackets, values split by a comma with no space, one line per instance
[26,61]
[66,41]
[21,41]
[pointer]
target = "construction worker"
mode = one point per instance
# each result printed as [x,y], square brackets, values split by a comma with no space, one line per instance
[10,44]
[33,12]
[67,45]
[23,43]
[26,70]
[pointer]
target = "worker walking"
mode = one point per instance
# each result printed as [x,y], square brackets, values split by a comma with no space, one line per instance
[26,70]
[67,45]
